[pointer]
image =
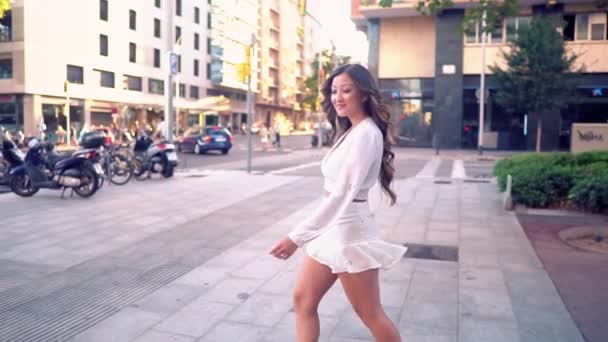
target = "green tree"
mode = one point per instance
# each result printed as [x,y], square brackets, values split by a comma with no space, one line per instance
[5,5]
[310,88]
[539,74]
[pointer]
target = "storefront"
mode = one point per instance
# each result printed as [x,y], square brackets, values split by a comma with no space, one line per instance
[411,104]
[11,112]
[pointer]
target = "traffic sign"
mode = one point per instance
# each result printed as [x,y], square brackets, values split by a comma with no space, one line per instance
[173,61]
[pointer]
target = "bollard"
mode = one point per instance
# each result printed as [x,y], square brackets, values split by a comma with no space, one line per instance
[508,200]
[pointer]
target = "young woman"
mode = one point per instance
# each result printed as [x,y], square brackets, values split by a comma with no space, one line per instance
[342,240]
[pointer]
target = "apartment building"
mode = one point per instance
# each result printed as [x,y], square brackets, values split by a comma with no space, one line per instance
[429,73]
[114,54]
[283,63]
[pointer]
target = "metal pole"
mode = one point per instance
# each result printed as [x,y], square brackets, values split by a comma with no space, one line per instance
[250,104]
[168,87]
[67,112]
[482,86]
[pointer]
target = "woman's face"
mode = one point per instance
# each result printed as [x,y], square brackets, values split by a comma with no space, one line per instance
[345,96]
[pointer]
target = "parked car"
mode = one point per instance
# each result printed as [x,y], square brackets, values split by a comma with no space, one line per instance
[208,139]
[326,134]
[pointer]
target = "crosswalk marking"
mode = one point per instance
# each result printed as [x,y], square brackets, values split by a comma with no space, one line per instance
[458,170]
[294,168]
[430,168]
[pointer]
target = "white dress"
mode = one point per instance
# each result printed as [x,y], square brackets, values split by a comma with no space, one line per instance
[341,233]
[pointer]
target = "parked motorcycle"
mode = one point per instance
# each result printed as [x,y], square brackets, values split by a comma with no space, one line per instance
[44,168]
[153,157]
[10,157]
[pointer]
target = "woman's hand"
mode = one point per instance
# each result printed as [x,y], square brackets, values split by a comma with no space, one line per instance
[284,249]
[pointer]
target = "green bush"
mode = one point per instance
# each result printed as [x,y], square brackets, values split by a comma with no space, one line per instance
[591,157]
[591,192]
[542,184]
[544,161]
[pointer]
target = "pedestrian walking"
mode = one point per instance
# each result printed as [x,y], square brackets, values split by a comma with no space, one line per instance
[277,136]
[341,239]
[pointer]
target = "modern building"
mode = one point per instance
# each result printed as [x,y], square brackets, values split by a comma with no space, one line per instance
[114,54]
[429,73]
[232,23]
[283,63]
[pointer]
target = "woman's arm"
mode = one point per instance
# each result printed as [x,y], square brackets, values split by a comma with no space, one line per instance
[359,161]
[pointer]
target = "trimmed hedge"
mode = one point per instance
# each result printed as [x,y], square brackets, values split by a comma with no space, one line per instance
[557,179]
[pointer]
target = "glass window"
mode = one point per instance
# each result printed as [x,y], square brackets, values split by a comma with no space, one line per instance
[196,67]
[103,45]
[582,27]
[156,28]
[157,3]
[103,10]
[6,68]
[75,74]
[208,45]
[156,86]
[208,20]
[496,36]
[132,83]
[179,63]
[196,42]
[568,29]
[182,90]
[208,71]
[178,33]
[197,15]
[106,78]
[6,27]
[511,28]
[598,31]
[132,20]
[132,53]
[194,92]
[178,7]
[156,58]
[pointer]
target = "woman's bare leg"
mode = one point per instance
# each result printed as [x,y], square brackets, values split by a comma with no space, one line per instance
[314,280]
[363,292]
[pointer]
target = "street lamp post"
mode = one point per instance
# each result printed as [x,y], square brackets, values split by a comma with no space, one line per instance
[482,85]
[250,102]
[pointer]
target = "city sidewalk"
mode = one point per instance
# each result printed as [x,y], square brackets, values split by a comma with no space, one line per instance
[496,291]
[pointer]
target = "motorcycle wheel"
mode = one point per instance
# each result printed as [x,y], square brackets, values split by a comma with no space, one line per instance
[89,183]
[4,169]
[168,171]
[22,185]
[120,169]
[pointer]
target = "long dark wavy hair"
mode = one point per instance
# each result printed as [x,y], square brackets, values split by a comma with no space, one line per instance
[374,108]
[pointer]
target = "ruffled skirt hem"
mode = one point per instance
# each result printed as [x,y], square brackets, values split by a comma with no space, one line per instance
[357,257]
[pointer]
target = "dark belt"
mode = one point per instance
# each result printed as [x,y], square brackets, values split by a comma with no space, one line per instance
[359,200]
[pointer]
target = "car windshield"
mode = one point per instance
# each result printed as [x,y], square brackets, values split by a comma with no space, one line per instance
[216,131]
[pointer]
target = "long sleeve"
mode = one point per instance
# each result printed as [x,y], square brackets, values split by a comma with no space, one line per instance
[359,162]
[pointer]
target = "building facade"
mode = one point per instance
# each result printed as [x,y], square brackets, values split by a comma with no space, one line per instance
[429,73]
[282,68]
[114,54]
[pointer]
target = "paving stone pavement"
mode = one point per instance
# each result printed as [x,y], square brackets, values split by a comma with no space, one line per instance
[189,262]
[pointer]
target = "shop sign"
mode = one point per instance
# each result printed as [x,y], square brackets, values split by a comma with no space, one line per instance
[588,137]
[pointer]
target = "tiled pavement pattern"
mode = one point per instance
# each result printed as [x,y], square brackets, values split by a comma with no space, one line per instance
[187,260]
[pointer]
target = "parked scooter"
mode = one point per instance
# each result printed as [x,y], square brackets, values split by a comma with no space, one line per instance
[10,157]
[153,157]
[44,168]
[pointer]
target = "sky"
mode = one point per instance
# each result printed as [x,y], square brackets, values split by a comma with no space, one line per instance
[334,15]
